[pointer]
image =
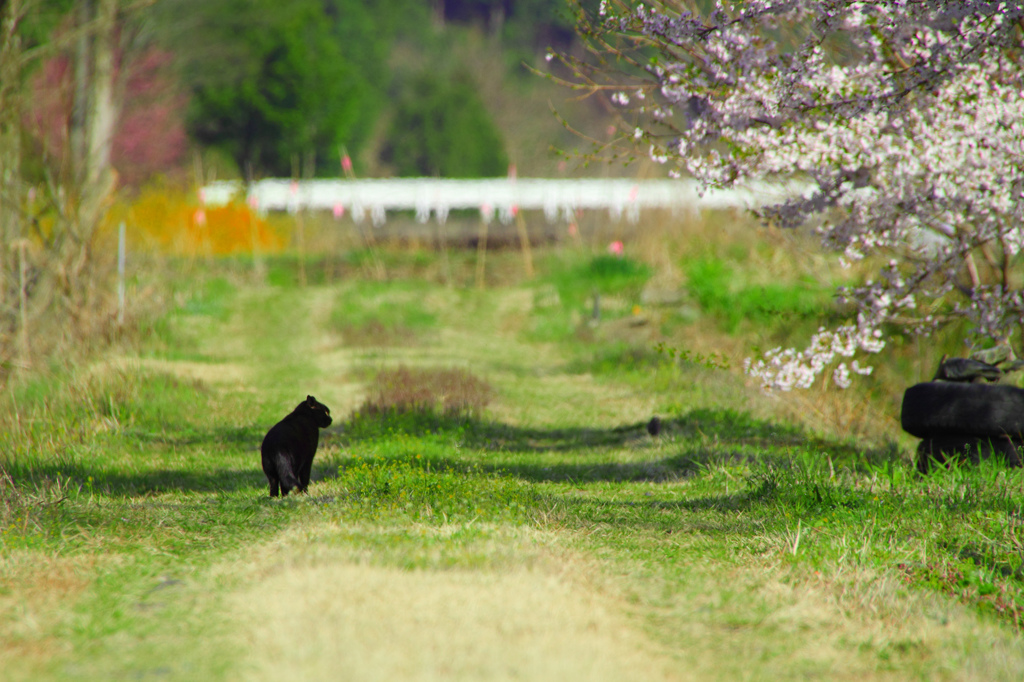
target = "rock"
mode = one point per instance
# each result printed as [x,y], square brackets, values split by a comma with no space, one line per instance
[994,356]
[966,369]
[654,426]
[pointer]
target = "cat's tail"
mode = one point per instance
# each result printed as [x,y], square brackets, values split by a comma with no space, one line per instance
[285,473]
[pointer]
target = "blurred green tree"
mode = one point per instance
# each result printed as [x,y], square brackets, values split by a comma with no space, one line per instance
[288,93]
[442,128]
[273,82]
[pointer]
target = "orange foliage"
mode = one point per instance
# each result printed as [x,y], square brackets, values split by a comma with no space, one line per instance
[173,221]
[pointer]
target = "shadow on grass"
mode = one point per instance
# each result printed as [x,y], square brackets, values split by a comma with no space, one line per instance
[717,435]
[151,481]
[152,462]
[227,459]
[790,474]
[189,437]
[691,444]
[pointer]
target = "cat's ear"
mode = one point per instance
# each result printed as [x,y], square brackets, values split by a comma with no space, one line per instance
[311,401]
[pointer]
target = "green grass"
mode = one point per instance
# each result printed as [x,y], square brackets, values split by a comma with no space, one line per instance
[619,358]
[145,479]
[823,506]
[577,280]
[725,488]
[418,488]
[213,300]
[382,314]
[565,294]
[720,290]
[133,507]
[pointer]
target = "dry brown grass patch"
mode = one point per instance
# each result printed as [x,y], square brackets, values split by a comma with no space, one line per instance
[453,392]
[44,590]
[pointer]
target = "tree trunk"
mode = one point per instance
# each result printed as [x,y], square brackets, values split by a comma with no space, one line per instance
[98,176]
[438,12]
[11,13]
[92,127]
[79,120]
[496,23]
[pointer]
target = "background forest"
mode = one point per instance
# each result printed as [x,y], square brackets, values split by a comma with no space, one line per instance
[262,88]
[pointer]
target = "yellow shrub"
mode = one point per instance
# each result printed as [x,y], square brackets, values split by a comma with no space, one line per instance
[173,221]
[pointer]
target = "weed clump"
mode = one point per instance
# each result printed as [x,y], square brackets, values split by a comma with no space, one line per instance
[29,513]
[452,393]
[424,488]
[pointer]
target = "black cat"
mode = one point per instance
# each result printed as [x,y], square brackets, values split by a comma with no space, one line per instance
[289,446]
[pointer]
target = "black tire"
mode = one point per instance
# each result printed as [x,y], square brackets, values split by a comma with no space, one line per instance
[937,409]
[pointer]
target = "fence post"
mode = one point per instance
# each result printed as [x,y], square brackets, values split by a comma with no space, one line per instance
[300,225]
[524,241]
[481,253]
[23,347]
[257,261]
[120,273]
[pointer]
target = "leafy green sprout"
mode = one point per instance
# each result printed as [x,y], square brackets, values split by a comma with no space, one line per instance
[711,360]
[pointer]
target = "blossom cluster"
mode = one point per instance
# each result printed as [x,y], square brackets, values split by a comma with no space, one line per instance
[906,118]
[787,368]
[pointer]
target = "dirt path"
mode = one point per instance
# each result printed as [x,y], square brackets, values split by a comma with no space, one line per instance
[304,613]
[342,620]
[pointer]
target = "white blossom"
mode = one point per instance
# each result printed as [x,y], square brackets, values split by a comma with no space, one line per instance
[914,139]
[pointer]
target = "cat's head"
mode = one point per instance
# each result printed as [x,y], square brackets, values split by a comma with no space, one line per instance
[318,411]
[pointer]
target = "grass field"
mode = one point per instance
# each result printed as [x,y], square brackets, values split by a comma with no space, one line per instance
[489,503]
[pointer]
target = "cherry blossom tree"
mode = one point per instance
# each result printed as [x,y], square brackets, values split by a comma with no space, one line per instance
[905,120]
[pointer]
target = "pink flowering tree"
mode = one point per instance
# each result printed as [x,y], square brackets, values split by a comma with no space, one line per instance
[149,138]
[904,119]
